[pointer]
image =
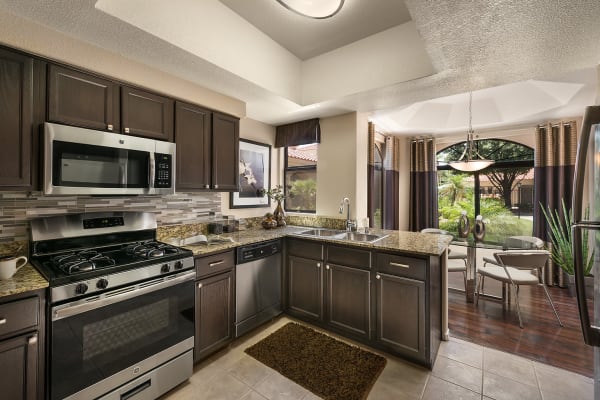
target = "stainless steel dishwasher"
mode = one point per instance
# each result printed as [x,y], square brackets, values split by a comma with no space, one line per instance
[257,285]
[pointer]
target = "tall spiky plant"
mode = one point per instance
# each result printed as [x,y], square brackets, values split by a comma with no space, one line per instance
[561,237]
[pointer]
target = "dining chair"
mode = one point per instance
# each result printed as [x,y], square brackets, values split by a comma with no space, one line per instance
[452,255]
[516,268]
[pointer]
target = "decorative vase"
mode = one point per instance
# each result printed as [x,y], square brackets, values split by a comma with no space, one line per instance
[463,225]
[279,214]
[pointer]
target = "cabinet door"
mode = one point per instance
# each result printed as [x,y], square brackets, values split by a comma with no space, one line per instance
[146,114]
[214,314]
[225,152]
[401,314]
[348,299]
[80,99]
[16,119]
[19,358]
[305,288]
[192,135]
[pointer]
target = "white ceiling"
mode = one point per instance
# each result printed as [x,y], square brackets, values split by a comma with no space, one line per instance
[449,47]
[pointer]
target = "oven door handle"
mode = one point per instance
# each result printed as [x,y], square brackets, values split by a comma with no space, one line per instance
[92,303]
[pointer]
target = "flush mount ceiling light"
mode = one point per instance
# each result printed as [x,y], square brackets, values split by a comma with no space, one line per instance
[318,9]
[468,161]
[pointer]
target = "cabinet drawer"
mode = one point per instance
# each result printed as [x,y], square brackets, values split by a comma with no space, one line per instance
[209,265]
[18,315]
[305,249]
[402,266]
[349,256]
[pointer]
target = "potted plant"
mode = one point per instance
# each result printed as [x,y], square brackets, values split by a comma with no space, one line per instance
[278,195]
[561,237]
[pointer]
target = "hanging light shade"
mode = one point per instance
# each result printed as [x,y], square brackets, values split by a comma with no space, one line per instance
[470,160]
[318,9]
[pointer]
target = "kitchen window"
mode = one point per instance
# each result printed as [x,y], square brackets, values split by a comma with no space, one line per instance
[300,176]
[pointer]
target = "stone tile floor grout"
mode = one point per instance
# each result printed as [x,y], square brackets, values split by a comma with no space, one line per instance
[503,376]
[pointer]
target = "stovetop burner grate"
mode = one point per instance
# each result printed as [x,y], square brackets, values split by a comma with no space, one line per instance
[82,261]
[151,249]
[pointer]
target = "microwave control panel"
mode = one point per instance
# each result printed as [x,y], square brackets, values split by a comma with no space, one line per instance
[164,170]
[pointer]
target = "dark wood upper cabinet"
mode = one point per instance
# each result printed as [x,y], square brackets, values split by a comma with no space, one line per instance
[225,152]
[20,87]
[80,99]
[146,114]
[207,149]
[193,138]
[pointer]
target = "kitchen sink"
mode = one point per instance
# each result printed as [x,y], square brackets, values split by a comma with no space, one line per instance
[321,232]
[360,237]
[342,235]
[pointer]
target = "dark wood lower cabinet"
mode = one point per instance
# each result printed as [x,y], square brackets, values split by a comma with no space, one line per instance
[305,290]
[401,315]
[19,361]
[348,301]
[215,303]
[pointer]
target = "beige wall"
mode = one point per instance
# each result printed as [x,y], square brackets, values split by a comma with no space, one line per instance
[23,34]
[263,133]
[342,165]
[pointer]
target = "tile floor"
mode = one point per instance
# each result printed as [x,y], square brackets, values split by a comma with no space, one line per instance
[463,370]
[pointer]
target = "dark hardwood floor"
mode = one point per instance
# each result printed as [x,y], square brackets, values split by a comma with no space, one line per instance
[497,326]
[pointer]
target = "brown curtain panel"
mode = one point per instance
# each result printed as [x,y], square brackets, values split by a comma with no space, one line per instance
[423,185]
[554,168]
[391,182]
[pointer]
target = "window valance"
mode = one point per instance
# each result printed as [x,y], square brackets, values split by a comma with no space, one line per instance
[297,133]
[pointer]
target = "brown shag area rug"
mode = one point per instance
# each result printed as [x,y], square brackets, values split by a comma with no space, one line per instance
[327,367]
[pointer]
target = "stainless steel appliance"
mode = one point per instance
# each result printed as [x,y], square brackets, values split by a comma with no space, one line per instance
[586,196]
[121,306]
[257,285]
[84,161]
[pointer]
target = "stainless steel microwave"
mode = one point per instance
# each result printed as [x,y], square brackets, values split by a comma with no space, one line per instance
[85,161]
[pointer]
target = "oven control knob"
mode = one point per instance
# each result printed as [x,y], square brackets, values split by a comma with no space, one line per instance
[81,288]
[102,283]
[165,268]
[178,265]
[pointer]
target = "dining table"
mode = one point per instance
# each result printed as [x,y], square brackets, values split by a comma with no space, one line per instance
[502,244]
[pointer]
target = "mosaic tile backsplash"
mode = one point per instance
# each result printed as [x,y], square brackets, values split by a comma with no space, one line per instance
[18,208]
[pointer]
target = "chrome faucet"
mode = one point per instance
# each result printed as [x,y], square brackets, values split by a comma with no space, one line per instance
[350,224]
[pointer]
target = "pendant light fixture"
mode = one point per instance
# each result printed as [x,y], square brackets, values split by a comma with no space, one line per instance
[468,161]
[318,9]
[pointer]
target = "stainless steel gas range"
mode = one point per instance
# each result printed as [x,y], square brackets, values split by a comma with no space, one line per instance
[121,309]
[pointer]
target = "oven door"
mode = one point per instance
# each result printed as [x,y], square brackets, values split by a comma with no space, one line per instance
[102,342]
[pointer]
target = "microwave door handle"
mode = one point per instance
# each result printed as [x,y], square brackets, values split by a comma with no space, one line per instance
[591,333]
[151,171]
[591,117]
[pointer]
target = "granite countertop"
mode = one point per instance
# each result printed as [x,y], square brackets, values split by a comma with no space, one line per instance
[26,279]
[398,241]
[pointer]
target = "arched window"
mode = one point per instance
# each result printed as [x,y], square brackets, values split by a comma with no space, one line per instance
[501,193]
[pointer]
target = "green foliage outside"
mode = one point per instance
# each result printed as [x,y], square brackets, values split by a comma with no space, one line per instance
[454,196]
[302,195]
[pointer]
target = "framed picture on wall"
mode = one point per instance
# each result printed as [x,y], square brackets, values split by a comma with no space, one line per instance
[255,175]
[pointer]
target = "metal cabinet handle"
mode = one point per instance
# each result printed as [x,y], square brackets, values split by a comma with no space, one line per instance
[216,186]
[393,264]
[206,186]
[318,265]
[2,321]
[377,276]
[126,130]
[199,286]
[32,340]
[327,267]
[110,127]
[213,264]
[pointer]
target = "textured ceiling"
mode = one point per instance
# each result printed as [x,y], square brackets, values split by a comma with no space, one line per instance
[472,45]
[307,38]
